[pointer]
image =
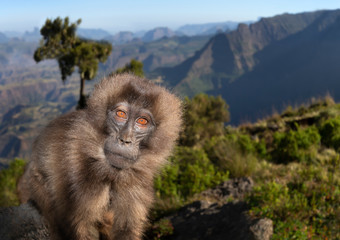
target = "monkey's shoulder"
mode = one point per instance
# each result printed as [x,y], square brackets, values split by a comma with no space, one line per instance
[70,125]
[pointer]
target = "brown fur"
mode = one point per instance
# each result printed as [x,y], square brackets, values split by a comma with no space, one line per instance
[69,179]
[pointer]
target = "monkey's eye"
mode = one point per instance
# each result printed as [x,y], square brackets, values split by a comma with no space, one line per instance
[121,114]
[142,121]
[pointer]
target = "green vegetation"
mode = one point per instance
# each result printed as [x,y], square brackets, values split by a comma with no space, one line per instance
[296,145]
[190,172]
[135,67]
[292,158]
[61,43]
[160,229]
[204,117]
[330,132]
[304,207]
[8,182]
[298,183]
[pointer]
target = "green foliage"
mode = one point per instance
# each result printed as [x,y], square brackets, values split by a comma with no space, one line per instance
[232,153]
[190,172]
[160,229]
[135,67]
[295,145]
[318,104]
[288,112]
[204,117]
[304,208]
[61,43]
[330,133]
[58,36]
[248,146]
[301,196]
[8,182]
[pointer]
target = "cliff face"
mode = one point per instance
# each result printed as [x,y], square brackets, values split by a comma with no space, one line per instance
[284,59]
[248,40]
[290,71]
[229,55]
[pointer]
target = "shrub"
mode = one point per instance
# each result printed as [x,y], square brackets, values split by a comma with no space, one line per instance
[160,229]
[190,172]
[8,182]
[330,133]
[204,117]
[320,103]
[295,145]
[249,146]
[232,154]
[306,207]
[288,112]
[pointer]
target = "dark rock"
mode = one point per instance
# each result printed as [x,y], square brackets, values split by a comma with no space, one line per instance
[229,220]
[234,189]
[22,222]
[214,222]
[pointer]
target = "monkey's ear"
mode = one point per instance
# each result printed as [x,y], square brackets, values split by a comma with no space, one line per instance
[168,115]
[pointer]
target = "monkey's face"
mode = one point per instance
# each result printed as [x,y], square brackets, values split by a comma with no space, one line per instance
[129,127]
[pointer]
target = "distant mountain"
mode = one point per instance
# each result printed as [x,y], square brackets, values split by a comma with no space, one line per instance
[12,34]
[139,34]
[208,28]
[121,38]
[276,61]
[159,53]
[157,33]
[33,36]
[95,34]
[3,38]
[127,36]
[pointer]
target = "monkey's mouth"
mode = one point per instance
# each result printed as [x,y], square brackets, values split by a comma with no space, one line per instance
[118,160]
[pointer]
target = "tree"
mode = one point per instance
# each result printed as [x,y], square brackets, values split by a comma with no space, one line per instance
[204,117]
[135,67]
[60,42]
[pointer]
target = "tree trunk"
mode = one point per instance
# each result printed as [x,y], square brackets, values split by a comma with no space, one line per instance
[82,98]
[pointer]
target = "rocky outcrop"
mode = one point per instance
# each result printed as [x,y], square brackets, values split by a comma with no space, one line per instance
[21,223]
[200,220]
[222,216]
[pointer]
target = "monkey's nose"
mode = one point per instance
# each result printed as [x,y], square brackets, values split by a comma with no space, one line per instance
[125,141]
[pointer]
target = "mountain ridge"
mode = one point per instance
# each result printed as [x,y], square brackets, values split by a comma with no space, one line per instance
[123,37]
[223,64]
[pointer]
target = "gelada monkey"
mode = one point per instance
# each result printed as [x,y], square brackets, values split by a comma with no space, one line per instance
[91,171]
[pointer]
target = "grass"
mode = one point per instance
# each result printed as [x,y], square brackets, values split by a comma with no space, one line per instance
[8,182]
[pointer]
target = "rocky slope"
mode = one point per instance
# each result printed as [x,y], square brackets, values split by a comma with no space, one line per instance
[279,60]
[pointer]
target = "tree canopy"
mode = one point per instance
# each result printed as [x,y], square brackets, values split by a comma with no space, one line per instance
[60,42]
[135,67]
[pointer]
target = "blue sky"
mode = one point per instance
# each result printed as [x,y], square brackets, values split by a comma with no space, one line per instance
[135,15]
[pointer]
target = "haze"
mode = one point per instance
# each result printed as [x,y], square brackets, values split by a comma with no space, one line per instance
[136,15]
